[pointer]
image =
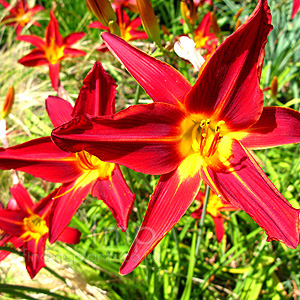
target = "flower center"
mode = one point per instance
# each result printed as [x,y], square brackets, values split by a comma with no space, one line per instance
[22,18]
[91,163]
[54,52]
[205,139]
[35,227]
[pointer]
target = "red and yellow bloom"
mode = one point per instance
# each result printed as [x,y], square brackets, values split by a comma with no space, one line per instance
[20,15]
[194,133]
[51,50]
[80,173]
[25,224]
[214,208]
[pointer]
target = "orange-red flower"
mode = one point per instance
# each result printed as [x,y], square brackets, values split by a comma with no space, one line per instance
[194,133]
[214,208]
[20,15]
[51,50]
[129,28]
[25,224]
[81,173]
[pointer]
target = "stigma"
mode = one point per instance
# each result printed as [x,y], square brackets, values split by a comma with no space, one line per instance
[206,138]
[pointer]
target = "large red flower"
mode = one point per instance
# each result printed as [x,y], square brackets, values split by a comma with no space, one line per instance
[51,50]
[190,134]
[20,15]
[25,224]
[81,173]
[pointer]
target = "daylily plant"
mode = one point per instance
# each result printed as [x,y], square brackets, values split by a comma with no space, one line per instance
[129,29]
[20,15]
[51,50]
[214,208]
[25,225]
[196,133]
[81,173]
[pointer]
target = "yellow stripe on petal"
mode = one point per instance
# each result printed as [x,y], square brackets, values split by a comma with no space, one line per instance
[189,167]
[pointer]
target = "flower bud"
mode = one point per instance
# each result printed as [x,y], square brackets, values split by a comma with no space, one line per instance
[216,28]
[8,102]
[274,87]
[149,20]
[103,10]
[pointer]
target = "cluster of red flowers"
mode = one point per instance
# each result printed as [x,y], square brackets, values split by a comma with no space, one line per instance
[188,135]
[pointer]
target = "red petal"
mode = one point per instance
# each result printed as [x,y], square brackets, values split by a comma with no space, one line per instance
[70,52]
[70,236]
[98,25]
[276,126]
[54,75]
[33,40]
[117,196]
[161,82]
[244,184]
[59,110]
[228,87]
[41,158]
[22,197]
[73,38]
[52,31]
[11,222]
[296,6]
[35,58]
[219,226]
[12,240]
[172,196]
[97,95]
[4,3]
[34,254]
[64,207]
[145,138]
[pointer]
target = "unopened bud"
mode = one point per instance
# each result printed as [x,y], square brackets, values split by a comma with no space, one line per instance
[149,20]
[103,10]
[8,102]
[237,24]
[214,24]
[274,87]
[237,15]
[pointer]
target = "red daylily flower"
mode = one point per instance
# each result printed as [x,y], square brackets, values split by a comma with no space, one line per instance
[51,50]
[205,39]
[130,4]
[26,226]
[81,173]
[214,208]
[20,15]
[128,28]
[190,134]
[296,6]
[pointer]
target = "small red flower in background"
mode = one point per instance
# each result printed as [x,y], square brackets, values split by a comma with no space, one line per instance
[51,50]
[205,39]
[130,4]
[80,173]
[20,15]
[296,6]
[214,208]
[128,28]
[25,224]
